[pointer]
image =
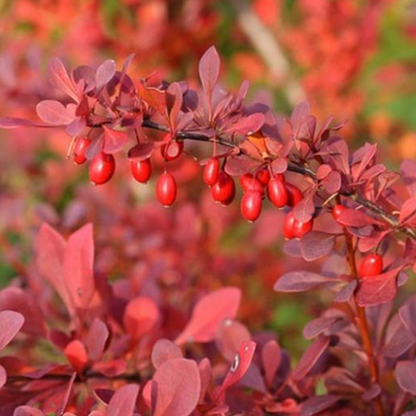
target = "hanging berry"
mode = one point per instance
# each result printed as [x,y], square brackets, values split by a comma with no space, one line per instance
[277,192]
[371,265]
[250,183]
[224,190]
[81,146]
[211,171]
[251,205]
[294,194]
[141,170]
[102,168]
[166,189]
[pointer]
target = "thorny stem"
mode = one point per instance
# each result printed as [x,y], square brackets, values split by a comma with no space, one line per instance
[362,324]
[292,167]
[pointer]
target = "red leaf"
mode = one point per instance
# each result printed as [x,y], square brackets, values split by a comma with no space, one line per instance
[50,252]
[154,97]
[15,299]
[378,289]
[53,112]
[304,209]
[408,211]
[247,125]
[239,366]
[230,335]
[59,78]
[140,316]
[301,281]
[10,324]
[96,339]
[28,411]
[114,140]
[141,151]
[78,266]
[176,388]
[174,100]
[316,244]
[3,376]
[163,351]
[271,356]
[123,403]
[406,376]
[310,357]
[239,166]
[352,218]
[208,313]
[317,404]
[105,72]
[407,314]
[209,70]
[318,326]
[77,355]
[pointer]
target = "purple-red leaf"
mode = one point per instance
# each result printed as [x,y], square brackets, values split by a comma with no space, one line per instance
[209,70]
[208,313]
[59,78]
[78,266]
[247,125]
[406,376]
[317,404]
[141,151]
[300,281]
[55,113]
[271,356]
[105,72]
[316,244]
[96,339]
[114,140]
[163,351]
[10,324]
[230,335]
[176,388]
[378,289]
[352,218]
[123,402]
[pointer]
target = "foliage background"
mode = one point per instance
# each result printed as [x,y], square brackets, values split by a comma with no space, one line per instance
[353,59]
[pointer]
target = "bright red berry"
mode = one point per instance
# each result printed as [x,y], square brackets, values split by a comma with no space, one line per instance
[295,195]
[371,265]
[224,190]
[172,150]
[251,205]
[250,183]
[263,176]
[288,226]
[81,146]
[277,192]
[102,168]
[166,189]
[293,228]
[211,171]
[141,170]
[338,210]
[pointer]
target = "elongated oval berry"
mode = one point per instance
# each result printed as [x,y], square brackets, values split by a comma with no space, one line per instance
[224,190]
[166,189]
[172,150]
[295,195]
[211,171]
[338,210]
[81,146]
[141,170]
[102,168]
[277,192]
[250,183]
[371,265]
[288,226]
[251,205]
[263,176]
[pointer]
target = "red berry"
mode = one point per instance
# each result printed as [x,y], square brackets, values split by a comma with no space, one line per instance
[263,176]
[211,171]
[338,210]
[172,150]
[295,195]
[371,265]
[277,193]
[250,183]
[224,190]
[141,170]
[166,189]
[251,205]
[81,146]
[302,228]
[288,226]
[102,168]
[292,228]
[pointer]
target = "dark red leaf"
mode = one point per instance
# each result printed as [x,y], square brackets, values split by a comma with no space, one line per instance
[346,293]
[352,218]
[176,388]
[316,244]
[301,281]
[141,151]
[398,338]
[59,78]
[3,376]
[318,326]
[105,72]
[406,376]
[378,289]
[114,140]
[247,125]
[209,70]
[96,339]
[407,314]
[239,166]
[208,313]
[123,403]
[78,266]
[317,404]
[304,209]
[155,98]
[10,323]
[310,357]
[271,356]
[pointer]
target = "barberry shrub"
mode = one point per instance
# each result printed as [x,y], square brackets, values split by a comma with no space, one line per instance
[113,351]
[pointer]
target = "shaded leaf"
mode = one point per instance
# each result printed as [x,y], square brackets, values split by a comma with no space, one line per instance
[10,323]
[3,376]
[163,351]
[247,125]
[141,151]
[318,326]
[230,335]
[114,140]
[317,404]
[300,281]
[352,218]
[346,293]
[123,402]
[406,376]
[271,356]
[96,339]
[316,244]
[408,173]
